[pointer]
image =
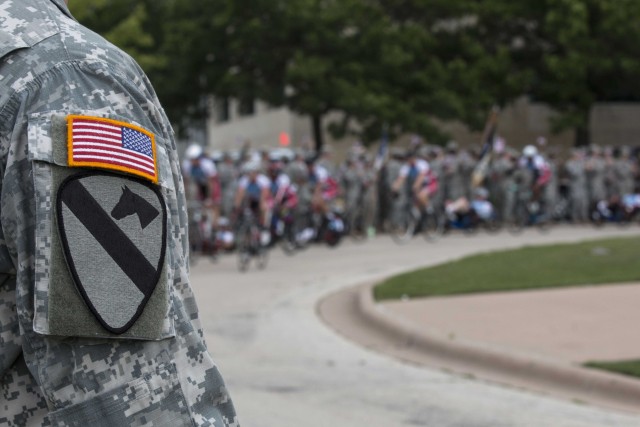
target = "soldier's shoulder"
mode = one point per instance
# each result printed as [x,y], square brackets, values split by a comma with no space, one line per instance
[22,26]
[36,35]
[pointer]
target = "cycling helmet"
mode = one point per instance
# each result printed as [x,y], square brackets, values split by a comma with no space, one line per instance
[481,193]
[530,151]
[193,151]
[252,166]
[275,156]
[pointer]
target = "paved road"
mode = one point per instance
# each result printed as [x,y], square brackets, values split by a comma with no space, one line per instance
[285,368]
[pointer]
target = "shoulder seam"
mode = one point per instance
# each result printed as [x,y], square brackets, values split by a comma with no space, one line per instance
[56,22]
[37,79]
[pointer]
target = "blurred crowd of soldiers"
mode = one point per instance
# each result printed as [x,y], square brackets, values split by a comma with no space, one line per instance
[591,175]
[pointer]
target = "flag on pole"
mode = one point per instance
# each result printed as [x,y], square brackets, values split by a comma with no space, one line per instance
[488,138]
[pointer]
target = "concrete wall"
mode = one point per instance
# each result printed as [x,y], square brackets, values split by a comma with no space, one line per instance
[524,122]
[616,124]
[521,124]
[262,129]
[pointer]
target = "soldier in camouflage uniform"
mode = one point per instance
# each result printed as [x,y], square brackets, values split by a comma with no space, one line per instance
[80,348]
[506,167]
[351,183]
[228,179]
[595,167]
[625,172]
[453,178]
[551,190]
[575,169]
[297,170]
[370,194]
[435,157]
[392,172]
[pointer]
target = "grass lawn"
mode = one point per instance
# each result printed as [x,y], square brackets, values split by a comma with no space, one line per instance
[629,367]
[595,262]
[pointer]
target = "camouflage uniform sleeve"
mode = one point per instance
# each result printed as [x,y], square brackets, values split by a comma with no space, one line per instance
[105,381]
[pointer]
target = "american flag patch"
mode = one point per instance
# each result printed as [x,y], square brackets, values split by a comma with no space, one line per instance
[110,144]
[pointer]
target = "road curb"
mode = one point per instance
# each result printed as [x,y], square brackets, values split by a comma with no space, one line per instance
[577,383]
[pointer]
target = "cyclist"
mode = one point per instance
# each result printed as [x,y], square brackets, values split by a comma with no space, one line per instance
[417,177]
[531,177]
[201,177]
[200,171]
[323,187]
[352,183]
[283,200]
[253,190]
[282,190]
[537,172]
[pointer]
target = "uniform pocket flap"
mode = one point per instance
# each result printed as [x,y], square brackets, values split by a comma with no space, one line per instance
[44,131]
[87,284]
[9,43]
[48,142]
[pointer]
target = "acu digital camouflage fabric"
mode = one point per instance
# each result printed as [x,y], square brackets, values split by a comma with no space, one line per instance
[52,67]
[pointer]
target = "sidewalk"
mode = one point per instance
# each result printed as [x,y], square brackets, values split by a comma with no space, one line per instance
[572,325]
[535,340]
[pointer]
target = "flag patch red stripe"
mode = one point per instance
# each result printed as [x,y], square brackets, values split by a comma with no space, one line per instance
[102,146]
[87,153]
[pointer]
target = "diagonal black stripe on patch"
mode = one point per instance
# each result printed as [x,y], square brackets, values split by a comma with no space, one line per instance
[107,233]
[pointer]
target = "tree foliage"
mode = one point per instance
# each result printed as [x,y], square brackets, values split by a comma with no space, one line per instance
[403,64]
[572,53]
[127,25]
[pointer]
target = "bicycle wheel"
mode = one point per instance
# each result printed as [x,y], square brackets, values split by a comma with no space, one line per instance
[493,225]
[432,226]
[520,219]
[195,243]
[357,227]
[260,251]
[288,240]
[304,230]
[543,223]
[243,241]
[631,218]
[404,227]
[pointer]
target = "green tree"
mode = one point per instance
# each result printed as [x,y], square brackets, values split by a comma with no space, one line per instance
[400,63]
[126,24]
[574,53]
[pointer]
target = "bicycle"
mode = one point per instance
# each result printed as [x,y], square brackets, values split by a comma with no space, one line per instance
[249,240]
[202,234]
[412,220]
[528,211]
[285,230]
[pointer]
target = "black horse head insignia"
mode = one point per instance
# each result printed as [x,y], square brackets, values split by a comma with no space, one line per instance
[132,204]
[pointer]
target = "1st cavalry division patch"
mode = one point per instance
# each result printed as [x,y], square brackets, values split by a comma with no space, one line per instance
[111,144]
[113,232]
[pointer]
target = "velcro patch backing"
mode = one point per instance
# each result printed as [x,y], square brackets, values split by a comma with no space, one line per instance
[113,233]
